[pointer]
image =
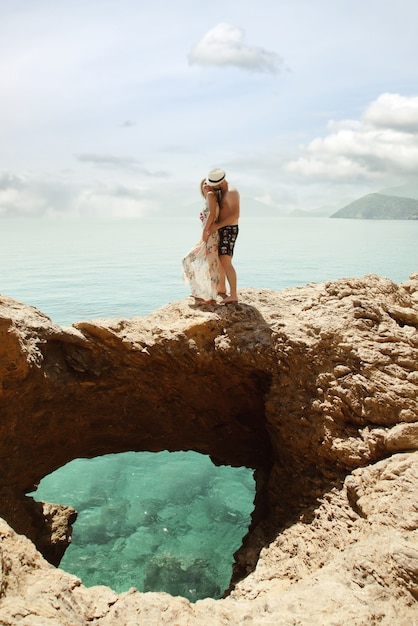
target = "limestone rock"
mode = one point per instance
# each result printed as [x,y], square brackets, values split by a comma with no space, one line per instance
[314,387]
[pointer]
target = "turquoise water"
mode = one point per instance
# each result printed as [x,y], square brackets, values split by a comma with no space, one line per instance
[170,522]
[158,522]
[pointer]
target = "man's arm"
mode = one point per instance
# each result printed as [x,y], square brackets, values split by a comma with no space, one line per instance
[229,213]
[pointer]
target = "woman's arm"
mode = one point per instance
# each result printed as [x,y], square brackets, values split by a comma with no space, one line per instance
[212,206]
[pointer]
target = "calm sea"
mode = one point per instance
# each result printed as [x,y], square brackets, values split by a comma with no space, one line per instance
[170,522]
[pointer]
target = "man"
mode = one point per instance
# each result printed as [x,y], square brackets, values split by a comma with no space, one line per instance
[227,225]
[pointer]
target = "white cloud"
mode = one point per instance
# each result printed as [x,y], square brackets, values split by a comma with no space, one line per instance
[393,111]
[108,160]
[381,145]
[26,195]
[224,45]
[34,196]
[113,162]
[113,201]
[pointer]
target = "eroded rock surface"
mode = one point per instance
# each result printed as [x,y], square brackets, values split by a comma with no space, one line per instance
[315,388]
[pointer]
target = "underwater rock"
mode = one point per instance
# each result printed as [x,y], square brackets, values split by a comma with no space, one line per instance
[169,574]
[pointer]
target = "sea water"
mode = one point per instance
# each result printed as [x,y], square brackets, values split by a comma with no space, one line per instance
[78,270]
[170,522]
[158,522]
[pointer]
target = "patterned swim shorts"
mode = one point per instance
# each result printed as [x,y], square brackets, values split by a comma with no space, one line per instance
[227,238]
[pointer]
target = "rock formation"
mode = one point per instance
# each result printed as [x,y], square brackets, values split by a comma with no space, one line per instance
[315,388]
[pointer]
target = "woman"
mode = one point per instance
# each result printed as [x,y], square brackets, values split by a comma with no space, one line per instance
[201,264]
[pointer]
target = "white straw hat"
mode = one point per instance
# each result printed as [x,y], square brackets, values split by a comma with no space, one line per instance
[215,177]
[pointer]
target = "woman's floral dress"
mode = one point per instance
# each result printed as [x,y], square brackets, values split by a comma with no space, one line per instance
[201,265]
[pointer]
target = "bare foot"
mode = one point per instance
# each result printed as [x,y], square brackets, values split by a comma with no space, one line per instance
[206,302]
[229,300]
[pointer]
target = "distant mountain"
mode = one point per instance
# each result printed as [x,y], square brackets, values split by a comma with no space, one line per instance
[255,208]
[377,206]
[325,210]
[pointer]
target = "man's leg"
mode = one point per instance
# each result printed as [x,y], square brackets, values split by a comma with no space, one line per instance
[222,277]
[231,276]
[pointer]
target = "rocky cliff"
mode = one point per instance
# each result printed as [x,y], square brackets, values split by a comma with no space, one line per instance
[315,388]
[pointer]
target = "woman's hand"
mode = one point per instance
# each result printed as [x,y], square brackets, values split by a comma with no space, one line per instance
[206,189]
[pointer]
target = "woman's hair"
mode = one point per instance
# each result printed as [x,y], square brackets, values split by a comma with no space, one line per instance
[202,182]
[218,192]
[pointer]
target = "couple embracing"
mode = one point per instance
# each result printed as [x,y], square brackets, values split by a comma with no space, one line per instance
[208,265]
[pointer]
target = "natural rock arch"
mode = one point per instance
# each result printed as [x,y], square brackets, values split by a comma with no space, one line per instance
[141,385]
[304,386]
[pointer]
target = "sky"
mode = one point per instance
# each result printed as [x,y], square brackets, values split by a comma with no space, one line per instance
[118,108]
